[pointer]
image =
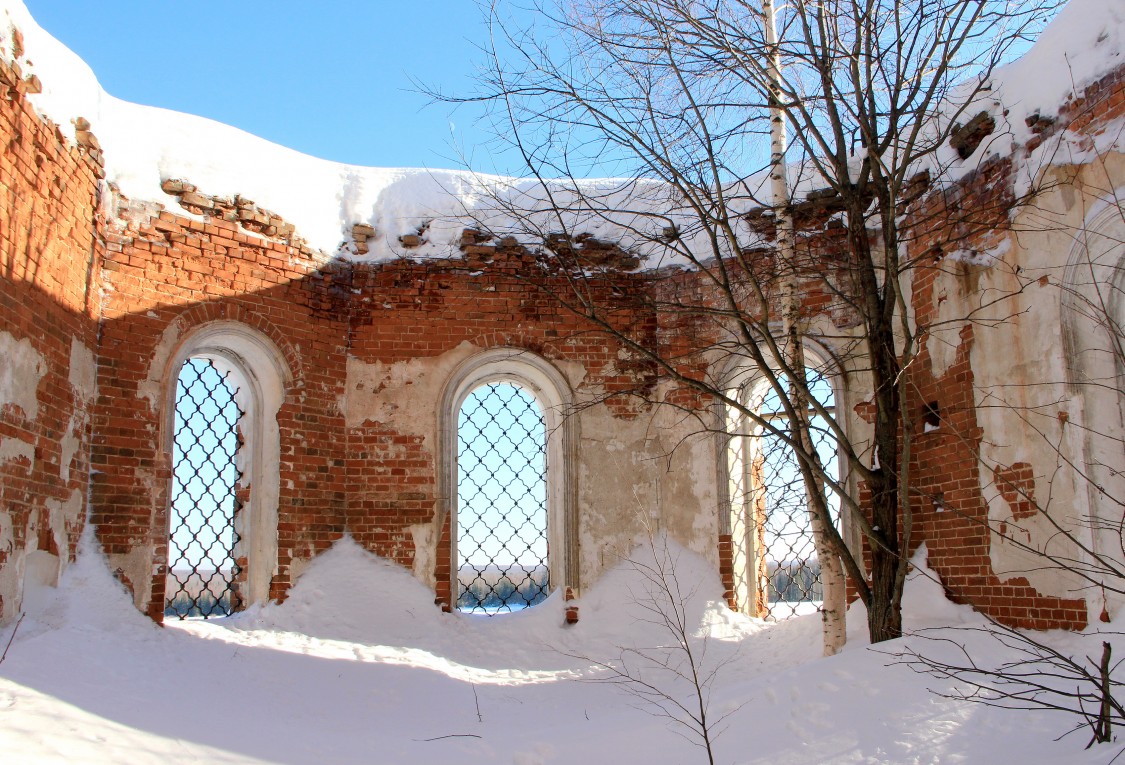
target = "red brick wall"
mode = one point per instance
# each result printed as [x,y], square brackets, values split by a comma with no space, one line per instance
[181,273]
[48,198]
[369,480]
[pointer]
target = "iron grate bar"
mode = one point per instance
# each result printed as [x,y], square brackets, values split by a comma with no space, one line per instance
[791,572]
[203,572]
[502,501]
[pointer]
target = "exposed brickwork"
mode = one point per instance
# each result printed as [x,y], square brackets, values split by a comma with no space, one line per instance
[1017,487]
[168,273]
[407,311]
[950,511]
[726,569]
[48,198]
[165,276]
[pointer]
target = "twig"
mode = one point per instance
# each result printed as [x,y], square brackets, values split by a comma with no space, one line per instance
[11,638]
[1103,730]
[451,735]
[476,700]
[1038,677]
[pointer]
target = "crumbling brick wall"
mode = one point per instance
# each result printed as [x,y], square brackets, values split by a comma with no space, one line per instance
[48,312]
[352,330]
[165,276]
[950,464]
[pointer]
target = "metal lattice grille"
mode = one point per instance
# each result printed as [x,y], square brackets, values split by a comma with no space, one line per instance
[202,570]
[501,500]
[778,523]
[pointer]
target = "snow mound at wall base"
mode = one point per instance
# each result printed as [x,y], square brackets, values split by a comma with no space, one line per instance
[88,598]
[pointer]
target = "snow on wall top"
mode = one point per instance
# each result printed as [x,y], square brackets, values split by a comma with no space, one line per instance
[1085,41]
[144,145]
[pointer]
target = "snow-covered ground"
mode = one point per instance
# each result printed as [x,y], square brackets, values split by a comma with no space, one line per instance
[358,666]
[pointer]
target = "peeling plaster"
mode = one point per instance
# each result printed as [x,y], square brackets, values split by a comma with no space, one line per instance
[20,374]
[151,387]
[402,396]
[11,573]
[83,371]
[944,338]
[1024,339]
[70,444]
[298,565]
[138,565]
[390,394]
[425,550]
[59,514]
[41,569]
[138,568]
[15,449]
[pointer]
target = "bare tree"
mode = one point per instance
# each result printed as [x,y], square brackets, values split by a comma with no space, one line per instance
[674,99]
[670,680]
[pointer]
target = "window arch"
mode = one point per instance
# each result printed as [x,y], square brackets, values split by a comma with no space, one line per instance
[773,570]
[504,422]
[1093,333]
[242,376]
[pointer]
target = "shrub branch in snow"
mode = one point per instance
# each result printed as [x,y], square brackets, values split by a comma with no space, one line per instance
[1039,677]
[670,680]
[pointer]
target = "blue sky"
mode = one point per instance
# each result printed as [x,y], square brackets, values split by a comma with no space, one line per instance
[332,79]
[336,79]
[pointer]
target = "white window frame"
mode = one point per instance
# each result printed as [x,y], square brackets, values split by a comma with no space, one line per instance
[257,368]
[1094,269]
[552,393]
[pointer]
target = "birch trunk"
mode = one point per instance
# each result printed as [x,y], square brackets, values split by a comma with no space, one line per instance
[831,569]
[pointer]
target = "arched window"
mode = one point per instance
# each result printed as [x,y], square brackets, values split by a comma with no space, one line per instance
[776,573]
[507,482]
[224,387]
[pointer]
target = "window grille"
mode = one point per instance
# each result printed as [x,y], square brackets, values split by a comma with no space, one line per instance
[501,501]
[787,567]
[202,569]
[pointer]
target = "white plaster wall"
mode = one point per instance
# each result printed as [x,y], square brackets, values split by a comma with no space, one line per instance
[391,393]
[654,471]
[1031,407]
